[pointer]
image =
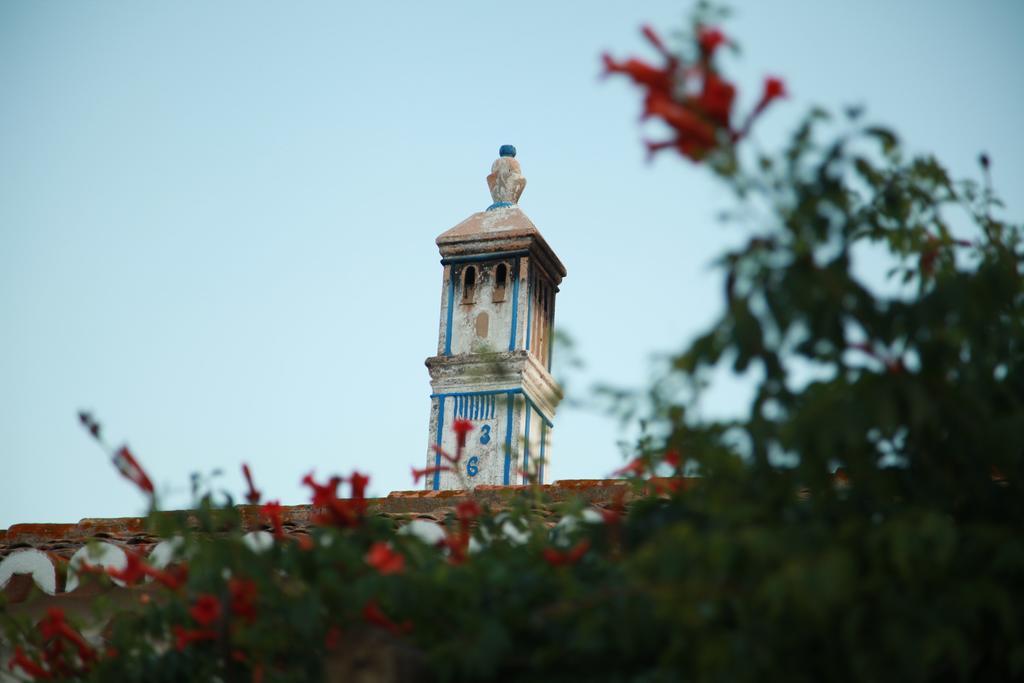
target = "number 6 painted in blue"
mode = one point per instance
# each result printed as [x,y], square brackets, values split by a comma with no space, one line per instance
[485,434]
[471,466]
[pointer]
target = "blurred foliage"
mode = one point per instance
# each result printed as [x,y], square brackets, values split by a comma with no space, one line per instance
[860,521]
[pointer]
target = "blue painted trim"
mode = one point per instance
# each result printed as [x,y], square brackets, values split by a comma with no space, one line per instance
[463,404]
[475,258]
[497,392]
[515,305]
[551,339]
[506,480]
[529,304]
[540,465]
[437,456]
[451,312]
[487,392]
[534,406]
[551,328]
[499,205]
[526,448]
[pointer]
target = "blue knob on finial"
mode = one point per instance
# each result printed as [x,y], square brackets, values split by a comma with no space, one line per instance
[507,151]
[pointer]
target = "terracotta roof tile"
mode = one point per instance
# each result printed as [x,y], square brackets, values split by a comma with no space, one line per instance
[51,546]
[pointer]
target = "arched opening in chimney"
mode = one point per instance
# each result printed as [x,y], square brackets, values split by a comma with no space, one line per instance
[500,280]
[469,285]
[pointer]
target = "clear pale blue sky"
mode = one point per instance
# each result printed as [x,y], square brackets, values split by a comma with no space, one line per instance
[217,219]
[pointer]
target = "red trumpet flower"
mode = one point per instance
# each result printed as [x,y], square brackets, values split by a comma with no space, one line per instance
[419,474]
[31,667]
[55,629]
[558,558]
[253,494]
[636,467]
[373,615]
[184,637]
[710,39]
[271,511]
[461,429]
[129,467]
[384,559]
[336,511]
[694,100]
[243,597]
[205,610]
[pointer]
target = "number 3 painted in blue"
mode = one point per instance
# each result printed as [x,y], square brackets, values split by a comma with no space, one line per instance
[485,434]
[471,466]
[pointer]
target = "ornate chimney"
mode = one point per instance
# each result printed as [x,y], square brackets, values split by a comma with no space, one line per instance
[494,344]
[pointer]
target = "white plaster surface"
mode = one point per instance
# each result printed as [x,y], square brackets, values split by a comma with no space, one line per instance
[531,457]
[442,326]
[165,552]
[258,541]
[508,530]
[499,314]
[569,525]
[486,442]
[33,562]
[513,534]
[101,554]
[425,530]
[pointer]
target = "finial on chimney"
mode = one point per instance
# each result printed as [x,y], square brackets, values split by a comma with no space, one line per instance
[506,180]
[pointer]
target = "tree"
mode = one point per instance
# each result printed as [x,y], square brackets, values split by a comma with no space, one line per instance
[861,520]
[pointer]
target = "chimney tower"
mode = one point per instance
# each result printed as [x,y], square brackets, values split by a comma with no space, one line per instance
[493,357]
